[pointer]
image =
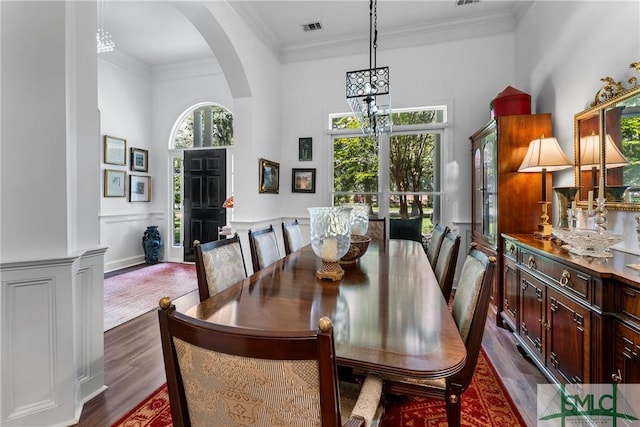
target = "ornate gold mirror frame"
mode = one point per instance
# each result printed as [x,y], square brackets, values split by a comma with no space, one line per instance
[607,144]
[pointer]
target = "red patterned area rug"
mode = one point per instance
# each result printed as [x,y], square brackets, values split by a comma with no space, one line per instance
[485,403]
[129,295]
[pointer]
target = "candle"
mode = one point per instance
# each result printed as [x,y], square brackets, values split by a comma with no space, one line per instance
[601,187]
[329,248]
[590,204]
[573,205]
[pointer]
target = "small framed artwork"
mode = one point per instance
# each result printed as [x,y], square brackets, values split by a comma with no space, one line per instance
[139,160]
[303,181]
[115,150]
[269,176]
[139,188]
[305,149]
[114,183]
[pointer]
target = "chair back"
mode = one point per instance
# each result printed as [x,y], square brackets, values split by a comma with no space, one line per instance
[264,247]
[292,236]
[219,264]
[433,249]
[220,375]
[406,228]
[377,230]
[446,265]
[470,306]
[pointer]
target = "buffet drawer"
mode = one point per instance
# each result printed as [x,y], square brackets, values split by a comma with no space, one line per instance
[565,277]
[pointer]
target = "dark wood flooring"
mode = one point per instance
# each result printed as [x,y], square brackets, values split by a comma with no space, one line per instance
[134,367]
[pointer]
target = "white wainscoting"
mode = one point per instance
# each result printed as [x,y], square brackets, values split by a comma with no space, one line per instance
[52,343]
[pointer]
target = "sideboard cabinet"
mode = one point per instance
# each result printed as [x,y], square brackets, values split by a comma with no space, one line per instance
[504,200]
[578,319]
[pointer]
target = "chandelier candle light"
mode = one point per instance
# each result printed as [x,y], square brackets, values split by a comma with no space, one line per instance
[544,155]
[368,90]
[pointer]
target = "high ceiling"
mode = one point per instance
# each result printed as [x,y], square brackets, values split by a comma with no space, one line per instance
[155,33]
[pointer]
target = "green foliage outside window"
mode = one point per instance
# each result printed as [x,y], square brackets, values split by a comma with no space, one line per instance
[221,127]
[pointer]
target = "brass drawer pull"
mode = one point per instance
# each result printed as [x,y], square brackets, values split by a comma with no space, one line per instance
[532,262]
[566,276]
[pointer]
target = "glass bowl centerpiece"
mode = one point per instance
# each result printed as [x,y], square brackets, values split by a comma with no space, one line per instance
[330,230]
[588,243]
[359,220]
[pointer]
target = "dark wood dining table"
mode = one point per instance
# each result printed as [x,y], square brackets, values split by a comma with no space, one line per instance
[388,313]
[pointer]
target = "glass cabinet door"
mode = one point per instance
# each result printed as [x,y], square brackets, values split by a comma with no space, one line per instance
[490,201]
[478,196]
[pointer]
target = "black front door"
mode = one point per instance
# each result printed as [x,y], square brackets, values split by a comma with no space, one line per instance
[205,183]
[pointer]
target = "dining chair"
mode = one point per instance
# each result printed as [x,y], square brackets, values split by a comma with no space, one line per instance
[219,264]
[377,230]
[433,247]
[292,236]
[470,306]
[447,260]
[264,247]
[222,375]
[406,228]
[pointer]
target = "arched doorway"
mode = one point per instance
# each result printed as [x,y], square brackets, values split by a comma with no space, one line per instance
[199,167]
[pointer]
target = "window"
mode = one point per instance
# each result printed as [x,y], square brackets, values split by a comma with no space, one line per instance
[400,174]
[206,126]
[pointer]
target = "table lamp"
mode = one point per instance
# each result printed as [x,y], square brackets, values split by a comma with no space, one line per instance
[544,155]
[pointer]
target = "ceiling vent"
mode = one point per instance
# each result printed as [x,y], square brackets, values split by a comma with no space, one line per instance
[463,2]
[312,27]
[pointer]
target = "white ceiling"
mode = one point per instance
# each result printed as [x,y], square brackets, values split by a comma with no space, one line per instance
[155,33]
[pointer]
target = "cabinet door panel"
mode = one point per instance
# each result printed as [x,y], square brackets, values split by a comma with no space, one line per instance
[511,293]
[627,354]
[532,294]
[567,339]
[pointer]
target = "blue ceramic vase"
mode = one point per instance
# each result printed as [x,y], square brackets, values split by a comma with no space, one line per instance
[152,244]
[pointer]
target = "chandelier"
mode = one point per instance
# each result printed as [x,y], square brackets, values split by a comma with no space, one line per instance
[104,43]
[368,90]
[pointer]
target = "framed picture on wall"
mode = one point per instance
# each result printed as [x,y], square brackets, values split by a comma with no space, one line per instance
[139,188]
[303,181]
[114,183]
[139,160]
[269,176]
[305,149]
[115,150]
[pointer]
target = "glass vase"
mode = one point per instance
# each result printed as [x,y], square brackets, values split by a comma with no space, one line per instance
[330,230]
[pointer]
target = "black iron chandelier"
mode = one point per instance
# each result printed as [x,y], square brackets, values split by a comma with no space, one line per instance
[368,90]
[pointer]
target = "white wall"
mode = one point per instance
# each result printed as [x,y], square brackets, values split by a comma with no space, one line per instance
[564,49]
[465,74]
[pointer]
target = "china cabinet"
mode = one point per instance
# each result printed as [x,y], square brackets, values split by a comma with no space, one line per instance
[504,200]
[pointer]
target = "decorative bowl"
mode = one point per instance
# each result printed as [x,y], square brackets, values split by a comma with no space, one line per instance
[589,243]
[357,248]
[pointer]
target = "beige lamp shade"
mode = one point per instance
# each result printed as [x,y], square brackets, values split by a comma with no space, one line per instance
[590,153]
[544,155]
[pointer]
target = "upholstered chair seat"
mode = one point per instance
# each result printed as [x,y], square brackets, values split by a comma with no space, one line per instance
[292,236]
[264,247]
[469,311]
[433,245]
[219,375]
[445,269]
[219,264]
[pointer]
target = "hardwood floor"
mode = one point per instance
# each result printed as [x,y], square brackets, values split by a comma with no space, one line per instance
[134,367]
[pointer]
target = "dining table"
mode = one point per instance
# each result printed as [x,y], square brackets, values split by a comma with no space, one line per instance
[388,313]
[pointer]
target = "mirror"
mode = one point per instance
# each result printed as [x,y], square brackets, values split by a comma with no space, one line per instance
[607,146]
